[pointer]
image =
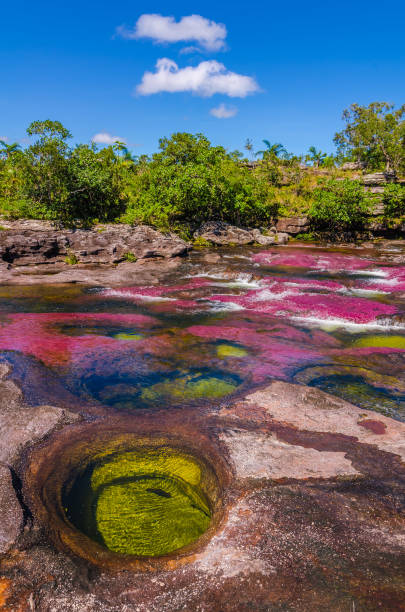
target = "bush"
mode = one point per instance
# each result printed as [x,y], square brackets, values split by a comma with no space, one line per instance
[190,181]
[340,205]
[394,200]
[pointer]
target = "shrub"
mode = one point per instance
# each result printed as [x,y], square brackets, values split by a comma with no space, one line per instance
[340,205]
[190,181]
[394,200]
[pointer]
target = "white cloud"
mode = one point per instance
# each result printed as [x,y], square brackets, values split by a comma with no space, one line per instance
[207,33]
[206,79]
[106,138]
[4,138]
[223,111]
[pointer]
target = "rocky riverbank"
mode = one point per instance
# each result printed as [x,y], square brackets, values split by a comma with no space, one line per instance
[312,494]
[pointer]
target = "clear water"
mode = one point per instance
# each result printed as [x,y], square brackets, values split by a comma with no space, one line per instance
[331,318]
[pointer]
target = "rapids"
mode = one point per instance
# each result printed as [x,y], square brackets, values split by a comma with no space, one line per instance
[333,318]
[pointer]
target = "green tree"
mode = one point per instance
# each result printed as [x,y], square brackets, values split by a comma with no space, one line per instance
[340,205]
[275,150]
[374,134]
[44,168]
[190,181]
[316,157]
[7,150]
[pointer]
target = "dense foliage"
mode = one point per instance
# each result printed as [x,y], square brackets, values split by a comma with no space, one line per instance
[375,135]
[189,181]
[340,205]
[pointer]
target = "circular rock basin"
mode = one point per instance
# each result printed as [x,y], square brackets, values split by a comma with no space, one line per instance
[123,500]
[145,502]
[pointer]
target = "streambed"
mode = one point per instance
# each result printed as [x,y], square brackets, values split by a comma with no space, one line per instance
[221,324]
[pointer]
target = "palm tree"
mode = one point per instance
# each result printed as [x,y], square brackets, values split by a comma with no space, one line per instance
[272,150]
[315,156]
[7,150]
[249,145]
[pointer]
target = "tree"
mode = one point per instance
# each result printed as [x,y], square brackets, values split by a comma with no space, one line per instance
[316,157]
[7,150]
[44,168]
[190,181]
[249,146]
[339,205]
[374,134]
[272,151]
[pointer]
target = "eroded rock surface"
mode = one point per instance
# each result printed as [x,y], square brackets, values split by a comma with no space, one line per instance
[11,522]
[314,517]
[221,234]
[35,244]
[23,425]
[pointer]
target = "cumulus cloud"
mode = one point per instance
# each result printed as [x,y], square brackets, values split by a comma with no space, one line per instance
[106,138]
[206,79]
[4,138]
[223,111]
[209,34]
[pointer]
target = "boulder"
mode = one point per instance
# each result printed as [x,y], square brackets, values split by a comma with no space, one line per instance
[293,225]
[12,517]
[282,238]
[221,234]
[358,165]
[262,239]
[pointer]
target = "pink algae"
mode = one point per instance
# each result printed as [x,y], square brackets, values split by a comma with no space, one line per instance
[322,261]
[38,334]
[281,300]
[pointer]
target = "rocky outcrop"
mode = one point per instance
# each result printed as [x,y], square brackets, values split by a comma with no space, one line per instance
[12,517]
[22,425]
[25,244]
[378,178]
[223,234]
[293,225]
[354,165]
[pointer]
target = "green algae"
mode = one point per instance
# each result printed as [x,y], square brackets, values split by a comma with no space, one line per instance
[360,393]
[189,387]
[133,337]
[146,503]
[230,350]
[381,341]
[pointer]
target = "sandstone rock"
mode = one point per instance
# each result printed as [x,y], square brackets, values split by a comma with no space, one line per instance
[23,425]
[22,246]
[256,455]
[354,165]
[12,517]
[262,239]
[221,233]
[293,225]
[379,178]
[310,409]
[282,238]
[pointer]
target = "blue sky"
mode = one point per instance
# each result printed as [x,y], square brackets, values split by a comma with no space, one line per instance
[308,61]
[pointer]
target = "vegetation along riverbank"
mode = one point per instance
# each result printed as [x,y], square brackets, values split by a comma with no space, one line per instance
[189,182]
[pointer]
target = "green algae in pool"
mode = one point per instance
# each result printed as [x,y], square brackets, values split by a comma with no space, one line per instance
[143,503]
[360,393]
[231,350]
[189,387]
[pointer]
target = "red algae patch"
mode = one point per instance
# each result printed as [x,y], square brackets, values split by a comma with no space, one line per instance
[377,427]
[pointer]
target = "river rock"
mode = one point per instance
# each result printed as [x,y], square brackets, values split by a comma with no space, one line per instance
[293,225]
[36,244]
[23,425]
[12,517]
[221,233]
